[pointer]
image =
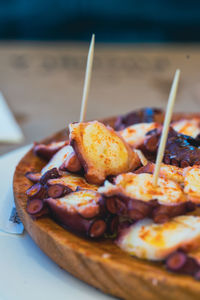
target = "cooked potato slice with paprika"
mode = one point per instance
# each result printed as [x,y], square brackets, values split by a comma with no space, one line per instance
[101,151]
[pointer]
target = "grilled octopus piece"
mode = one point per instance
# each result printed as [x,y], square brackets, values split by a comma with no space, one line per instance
[175,243]
[47,151]
[38,192]
[145,115]
[180,262]
[134,197]
[181,150]
[71,205]
[135,210]
[167,171]
[36,208]
[79,211]
[33,176]
[64,160]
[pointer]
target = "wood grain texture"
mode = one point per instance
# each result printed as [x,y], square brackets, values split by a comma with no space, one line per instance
[99,263]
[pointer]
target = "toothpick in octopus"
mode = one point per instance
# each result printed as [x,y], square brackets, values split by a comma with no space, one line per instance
[88,74]
[168,116]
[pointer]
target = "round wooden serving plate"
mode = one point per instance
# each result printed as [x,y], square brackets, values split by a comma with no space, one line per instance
[99,263]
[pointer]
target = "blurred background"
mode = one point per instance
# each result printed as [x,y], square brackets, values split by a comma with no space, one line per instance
[139,45]
[113,20]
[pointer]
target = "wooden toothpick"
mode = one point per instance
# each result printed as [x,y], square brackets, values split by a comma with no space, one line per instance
[88,74]
[168,116]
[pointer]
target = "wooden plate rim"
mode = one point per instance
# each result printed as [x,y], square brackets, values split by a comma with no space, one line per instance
[121,271]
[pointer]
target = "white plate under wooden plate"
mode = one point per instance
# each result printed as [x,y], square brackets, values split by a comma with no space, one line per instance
[26,273]
[99,263]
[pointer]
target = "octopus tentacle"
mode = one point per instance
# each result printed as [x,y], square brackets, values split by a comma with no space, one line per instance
[86,219]
[33,176]
[181,150]
[145,115]
[137,209]
[47,151]
[181,262]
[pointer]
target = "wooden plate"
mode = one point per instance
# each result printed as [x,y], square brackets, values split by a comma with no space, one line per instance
[99,263]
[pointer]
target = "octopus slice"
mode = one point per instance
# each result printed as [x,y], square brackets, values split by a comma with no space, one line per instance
[33,176]
[167,171]
[151,241]
[135,135]
[181,150]
[145,115]
[187,127]
[49,174]
[101,151]
[47,151]
[79,211]
[184,263]
[73,182]
[36,191]
[60,159]
[135,197]
[36,208]
[140,186]
[192,183]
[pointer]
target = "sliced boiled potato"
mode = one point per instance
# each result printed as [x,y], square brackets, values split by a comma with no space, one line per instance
[151,241]
[101,151]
